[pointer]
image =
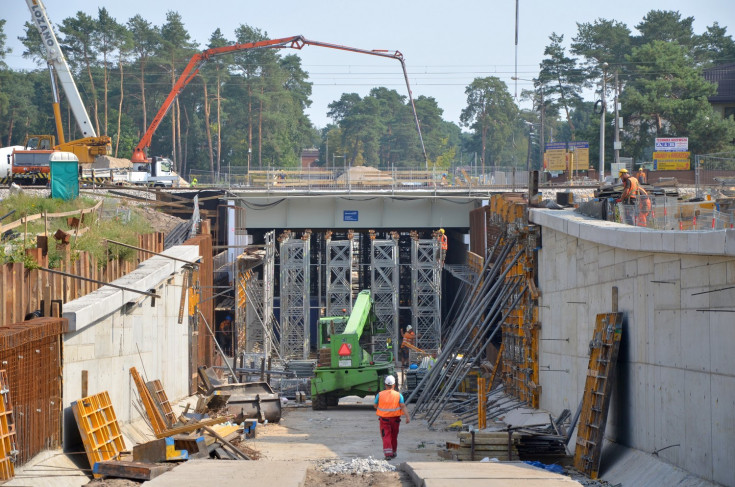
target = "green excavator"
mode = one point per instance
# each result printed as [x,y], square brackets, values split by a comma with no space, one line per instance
[345,366]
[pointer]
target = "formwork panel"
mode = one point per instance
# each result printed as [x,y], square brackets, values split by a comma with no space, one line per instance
[98,427]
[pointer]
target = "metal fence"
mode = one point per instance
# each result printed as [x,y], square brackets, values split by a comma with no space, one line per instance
[363,178]
[715,171]
[669,213]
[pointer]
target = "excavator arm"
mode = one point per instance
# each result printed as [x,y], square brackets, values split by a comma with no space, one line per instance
[294,42]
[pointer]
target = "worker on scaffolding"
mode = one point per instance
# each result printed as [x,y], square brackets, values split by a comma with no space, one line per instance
[409,338]
[443,246]
[635,199]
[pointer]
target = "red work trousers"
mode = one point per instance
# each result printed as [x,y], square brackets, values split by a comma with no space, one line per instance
[389,433]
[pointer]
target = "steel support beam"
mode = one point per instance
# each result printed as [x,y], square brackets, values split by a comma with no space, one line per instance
[295,294]
[384,288]
[339,277]
[426,293]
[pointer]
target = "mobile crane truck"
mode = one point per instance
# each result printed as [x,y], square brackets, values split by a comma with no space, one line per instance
[345,367]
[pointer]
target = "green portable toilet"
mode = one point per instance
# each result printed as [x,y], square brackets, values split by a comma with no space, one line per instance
[64,175]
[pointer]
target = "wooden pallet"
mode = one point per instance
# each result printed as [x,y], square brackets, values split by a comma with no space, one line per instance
[99,428]
[7,430]
[597,390]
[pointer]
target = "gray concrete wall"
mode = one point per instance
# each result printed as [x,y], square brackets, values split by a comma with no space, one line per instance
[675,381]
[111,330]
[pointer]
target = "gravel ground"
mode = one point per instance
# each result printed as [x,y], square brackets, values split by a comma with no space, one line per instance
[355,466]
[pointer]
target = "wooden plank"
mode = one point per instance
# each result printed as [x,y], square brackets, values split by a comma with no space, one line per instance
[158,422]
[129,470]
[187,428]
[4,285]
[18,272]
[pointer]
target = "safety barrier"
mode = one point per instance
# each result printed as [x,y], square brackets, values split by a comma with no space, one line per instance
[362,178]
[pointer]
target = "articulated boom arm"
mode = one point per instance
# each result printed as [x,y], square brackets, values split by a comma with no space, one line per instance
[360,315]
[55,59]
[294,42]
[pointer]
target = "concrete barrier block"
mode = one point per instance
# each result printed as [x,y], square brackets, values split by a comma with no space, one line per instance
[711,242]
[652,241]
[730,241]
[573,228]
[678,242]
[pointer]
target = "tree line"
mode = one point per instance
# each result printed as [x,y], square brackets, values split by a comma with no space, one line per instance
[247,108]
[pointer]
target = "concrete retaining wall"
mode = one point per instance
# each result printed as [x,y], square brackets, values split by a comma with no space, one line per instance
[676,372]
[111,330]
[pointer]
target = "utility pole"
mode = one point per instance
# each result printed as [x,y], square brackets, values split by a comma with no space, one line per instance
[542,139]
[616,145]
[602,125]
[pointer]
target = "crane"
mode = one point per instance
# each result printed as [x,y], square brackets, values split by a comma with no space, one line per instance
[90,145]
[294,42]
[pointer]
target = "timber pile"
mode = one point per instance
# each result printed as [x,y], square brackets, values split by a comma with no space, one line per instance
[486,444]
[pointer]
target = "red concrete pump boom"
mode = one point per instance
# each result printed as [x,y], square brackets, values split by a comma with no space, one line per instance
[295,42]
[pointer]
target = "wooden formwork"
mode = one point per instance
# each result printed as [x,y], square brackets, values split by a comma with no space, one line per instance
[507,218]
[99,428]
[8,449]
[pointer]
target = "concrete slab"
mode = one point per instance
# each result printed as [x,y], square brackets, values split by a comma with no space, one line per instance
[223,473]
[506,474]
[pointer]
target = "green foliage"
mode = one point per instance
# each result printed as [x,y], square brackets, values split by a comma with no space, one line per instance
[92,241]
[491,113]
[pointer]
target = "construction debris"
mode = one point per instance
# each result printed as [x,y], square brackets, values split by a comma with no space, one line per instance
[356,466]
[129,470]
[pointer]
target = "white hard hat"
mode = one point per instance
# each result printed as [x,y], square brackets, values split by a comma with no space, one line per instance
[409,328]
[390,380]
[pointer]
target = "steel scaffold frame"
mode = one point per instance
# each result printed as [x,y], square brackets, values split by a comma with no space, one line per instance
[339,277]
[295,294]
[426,293]
[260,322]
[384,288]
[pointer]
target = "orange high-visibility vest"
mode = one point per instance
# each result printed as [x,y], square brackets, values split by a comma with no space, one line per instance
[443,242]
[631,189]
[389,404]
[409,337]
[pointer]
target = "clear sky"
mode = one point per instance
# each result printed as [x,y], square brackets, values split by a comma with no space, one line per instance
[446,44]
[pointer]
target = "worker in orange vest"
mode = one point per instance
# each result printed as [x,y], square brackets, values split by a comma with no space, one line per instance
[641,175]
[635,196]
[408,337]
[390,406]
[444,245]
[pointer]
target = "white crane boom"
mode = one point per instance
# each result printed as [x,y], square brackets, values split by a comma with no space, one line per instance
[55,58]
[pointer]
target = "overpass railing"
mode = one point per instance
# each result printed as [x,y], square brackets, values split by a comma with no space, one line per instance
[362,178]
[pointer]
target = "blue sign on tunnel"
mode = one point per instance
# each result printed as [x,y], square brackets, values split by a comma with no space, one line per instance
[350,216]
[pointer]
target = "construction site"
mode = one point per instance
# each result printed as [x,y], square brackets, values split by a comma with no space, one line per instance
[543,326]
[261,322]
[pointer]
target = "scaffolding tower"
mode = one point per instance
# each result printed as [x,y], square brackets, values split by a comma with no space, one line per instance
[339,276]
[260,335]
[295,294]
[384,288]
[426,290]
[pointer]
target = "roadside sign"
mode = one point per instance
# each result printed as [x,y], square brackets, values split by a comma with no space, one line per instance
[671,161]
[672,144]
[581,158]
[556,156]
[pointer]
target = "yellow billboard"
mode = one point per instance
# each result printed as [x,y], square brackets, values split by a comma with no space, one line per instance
[579,156]
[671,161]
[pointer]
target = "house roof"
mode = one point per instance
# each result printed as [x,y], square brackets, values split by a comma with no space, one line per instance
[724,77]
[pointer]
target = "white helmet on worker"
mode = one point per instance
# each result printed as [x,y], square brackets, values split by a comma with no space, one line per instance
[409,328]
[390,380]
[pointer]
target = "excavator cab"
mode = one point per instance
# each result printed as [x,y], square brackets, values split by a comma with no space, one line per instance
[39,142]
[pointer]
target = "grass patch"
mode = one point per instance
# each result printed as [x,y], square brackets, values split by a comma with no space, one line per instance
[93,241]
